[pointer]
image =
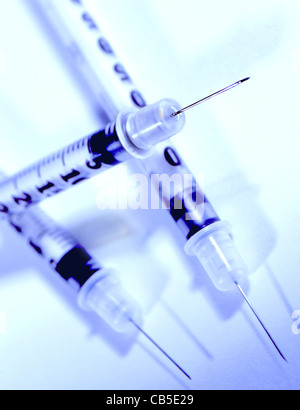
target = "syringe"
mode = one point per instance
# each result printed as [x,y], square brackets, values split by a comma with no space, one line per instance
[133,134]
[80,33]
[99,289]
[208,238]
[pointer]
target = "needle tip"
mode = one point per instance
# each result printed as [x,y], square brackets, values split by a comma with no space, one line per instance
[245,79]
[260,321]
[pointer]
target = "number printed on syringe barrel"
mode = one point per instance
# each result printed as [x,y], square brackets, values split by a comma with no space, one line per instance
[65,168]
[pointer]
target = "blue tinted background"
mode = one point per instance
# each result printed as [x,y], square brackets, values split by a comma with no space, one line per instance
[245,144]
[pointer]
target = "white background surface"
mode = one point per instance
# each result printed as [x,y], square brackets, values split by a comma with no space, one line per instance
[245,143]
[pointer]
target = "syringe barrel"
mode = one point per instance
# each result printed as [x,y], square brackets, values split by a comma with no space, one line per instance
[98,288]
[61,170]
[179,190]
[208,238]
[132,135]
[92,53]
